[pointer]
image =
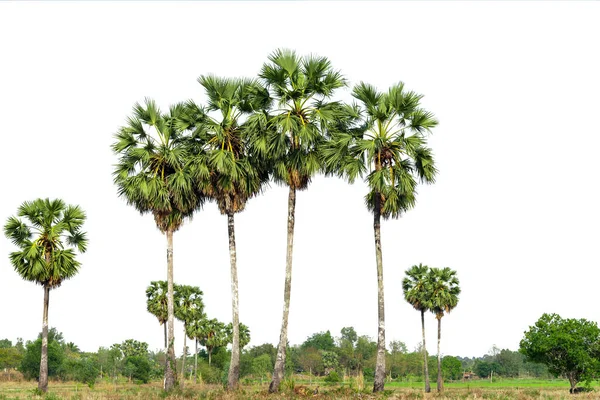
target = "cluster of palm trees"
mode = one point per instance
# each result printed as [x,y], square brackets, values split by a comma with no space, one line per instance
[285,127]
[435,290]
[189,309]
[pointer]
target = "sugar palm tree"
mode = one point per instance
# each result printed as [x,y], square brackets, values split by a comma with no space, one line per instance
[417,292]
[235,175]
[212,335]
[47,233]
[194,331]
[387,141]
[444,298]
[244,334]
[288,136]
[156,303]
[188,308]
[153,176]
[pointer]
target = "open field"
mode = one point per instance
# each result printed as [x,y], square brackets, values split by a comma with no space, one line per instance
[502,390]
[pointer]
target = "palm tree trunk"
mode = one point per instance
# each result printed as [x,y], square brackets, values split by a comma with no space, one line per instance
[166,347]
[427,385]
[380,362]
[43,382]
[279,369]
[439,358]
[196,362]
[234,365]
[184,356]
[171,366]
[209,355]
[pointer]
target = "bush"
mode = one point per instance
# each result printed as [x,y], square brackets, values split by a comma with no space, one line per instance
[333,377]
[138,368]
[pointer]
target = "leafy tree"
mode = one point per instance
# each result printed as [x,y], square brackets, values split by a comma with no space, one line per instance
[569,347]
[444,297]
[349,334]
[156,303]
[510,362]
[30,363]
[261,365]
[417,292]
[451,368]
[153,175]
[320,341]
[5,344]
[235,175]
[138,368]
[47,233]
[387,141]
[132,347]
[289,136]
[10,357]
[188,308]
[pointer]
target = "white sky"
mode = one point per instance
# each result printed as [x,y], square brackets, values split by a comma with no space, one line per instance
[516,87]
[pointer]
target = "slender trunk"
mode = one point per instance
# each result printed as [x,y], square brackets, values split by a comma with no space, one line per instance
[170,373]
[427,386]
[439,357]
[209,356]
[380,362]
[43,382]
[196,363]
[166,347]
[234,365]
[184,356]
[279,369]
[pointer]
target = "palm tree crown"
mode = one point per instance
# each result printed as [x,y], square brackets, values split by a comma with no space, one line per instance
[444,291]
[47,234]
[152,173]
[292,131]
[417,287]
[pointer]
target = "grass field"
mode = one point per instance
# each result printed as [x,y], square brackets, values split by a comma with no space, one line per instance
[482,389]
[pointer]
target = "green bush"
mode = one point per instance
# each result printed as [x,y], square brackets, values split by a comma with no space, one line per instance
[333,377]
[138,368]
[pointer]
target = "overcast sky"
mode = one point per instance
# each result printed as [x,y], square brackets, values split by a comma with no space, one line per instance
[515,209]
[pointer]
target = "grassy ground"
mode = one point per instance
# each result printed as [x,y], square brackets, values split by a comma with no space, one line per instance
[500,390]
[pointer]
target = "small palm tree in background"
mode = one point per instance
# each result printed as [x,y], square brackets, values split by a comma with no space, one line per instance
[156,303]
[212,335]
[47,233]
[444,298]
[244,334]
[188,308]
[417,292]
[194,331]
[152,175]
[234,176]
[289,137]
[387,140]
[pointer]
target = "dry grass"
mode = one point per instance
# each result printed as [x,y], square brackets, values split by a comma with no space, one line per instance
[153,391]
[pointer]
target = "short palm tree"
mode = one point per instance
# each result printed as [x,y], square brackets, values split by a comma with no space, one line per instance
[156,303]
[47,233]
[444,298]
[194,331]
[235,175]
[387,140]
[212,335]
[288,136]
[152,175]
[188,308]
[417,292]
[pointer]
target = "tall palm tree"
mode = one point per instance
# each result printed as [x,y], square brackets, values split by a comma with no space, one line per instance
[444,298]
[387,140]
[235,175]
[156,303]
[153,176]
[188,308]
[289,136]
[47,233]
[417,292]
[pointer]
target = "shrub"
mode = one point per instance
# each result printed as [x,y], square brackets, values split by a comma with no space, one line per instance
[333,377]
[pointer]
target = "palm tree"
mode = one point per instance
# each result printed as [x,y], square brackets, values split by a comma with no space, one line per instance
[235,175]
[444,297]
[156,303]
[388,141]
[212,335]
[244,334]
[288,137]
[417,292]
[188,308]
[153,176]
[47,236]
[194,331]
